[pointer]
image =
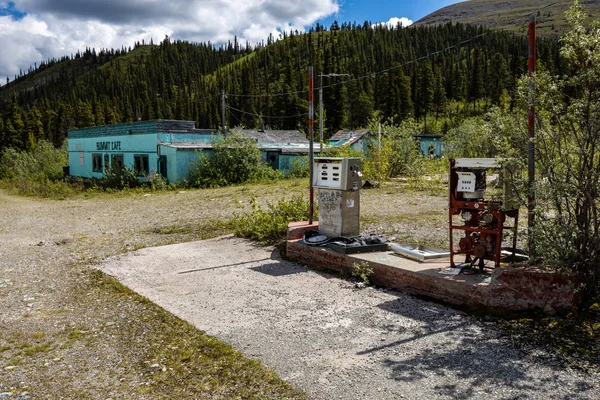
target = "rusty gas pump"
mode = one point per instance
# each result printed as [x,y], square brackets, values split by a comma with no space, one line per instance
[482,219]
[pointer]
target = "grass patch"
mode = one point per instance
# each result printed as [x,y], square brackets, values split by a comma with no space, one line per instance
[41,348]
[574,337]
[179,361]
[209,229]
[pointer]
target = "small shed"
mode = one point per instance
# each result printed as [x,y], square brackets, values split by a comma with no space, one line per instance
[280,147]
[357,140]
[430,145]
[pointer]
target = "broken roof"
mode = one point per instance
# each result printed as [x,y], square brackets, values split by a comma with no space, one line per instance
[348,137]
[273,136]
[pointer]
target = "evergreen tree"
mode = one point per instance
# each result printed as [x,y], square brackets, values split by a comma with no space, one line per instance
[34,129]
[425,91]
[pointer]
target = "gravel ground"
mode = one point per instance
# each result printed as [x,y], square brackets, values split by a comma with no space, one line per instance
[61,336]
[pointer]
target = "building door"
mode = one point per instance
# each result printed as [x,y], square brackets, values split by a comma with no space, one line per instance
[273,159]
[162,166]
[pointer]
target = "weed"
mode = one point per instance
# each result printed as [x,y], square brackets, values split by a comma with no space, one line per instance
[362,271]
[269,225]
[42,348]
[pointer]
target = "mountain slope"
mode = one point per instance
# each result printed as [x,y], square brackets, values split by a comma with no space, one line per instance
[511,15]
[393,73]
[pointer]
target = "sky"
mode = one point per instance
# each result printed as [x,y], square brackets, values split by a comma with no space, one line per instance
[32,31]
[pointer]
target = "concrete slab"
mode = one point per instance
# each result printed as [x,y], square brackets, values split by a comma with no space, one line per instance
[334,341]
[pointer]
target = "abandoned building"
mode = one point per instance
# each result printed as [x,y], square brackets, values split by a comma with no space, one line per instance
[166,147]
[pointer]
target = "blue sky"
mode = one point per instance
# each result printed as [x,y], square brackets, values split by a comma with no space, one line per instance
[381,10]
[32,31]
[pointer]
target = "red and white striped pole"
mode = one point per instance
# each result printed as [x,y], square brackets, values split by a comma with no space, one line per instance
[311,124]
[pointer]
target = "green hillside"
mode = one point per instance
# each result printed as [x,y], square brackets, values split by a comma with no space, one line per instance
[511,15]
[395,74]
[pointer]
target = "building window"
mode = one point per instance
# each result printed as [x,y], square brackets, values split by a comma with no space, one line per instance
[97,162]
[140,165]
[117,163]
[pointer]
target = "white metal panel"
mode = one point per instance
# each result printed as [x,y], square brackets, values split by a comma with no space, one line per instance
[466,182]
[476,163]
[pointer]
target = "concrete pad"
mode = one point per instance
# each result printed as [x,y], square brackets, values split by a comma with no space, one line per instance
[332,340]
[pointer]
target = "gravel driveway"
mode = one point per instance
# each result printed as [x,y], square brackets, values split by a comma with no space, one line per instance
[332,340]
[63,336]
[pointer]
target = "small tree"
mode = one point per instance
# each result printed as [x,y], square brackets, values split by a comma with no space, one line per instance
[567,233]
[235,159]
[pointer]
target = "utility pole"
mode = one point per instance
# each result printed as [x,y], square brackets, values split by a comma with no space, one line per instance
[321,107]
[311,156]
[223,111]
[321,116]
[531,132]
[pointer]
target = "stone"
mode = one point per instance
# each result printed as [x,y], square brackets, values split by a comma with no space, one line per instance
[548,310]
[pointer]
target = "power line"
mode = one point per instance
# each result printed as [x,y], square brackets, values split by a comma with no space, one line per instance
[406,63]
[266,116]
[266,95]
[371,74]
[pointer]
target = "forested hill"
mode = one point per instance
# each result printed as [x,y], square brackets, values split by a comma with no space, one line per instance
[399,73]
[512,15]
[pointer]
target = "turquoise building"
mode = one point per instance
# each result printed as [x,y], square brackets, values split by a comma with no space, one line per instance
[166,147]
[355,139]
[430,145]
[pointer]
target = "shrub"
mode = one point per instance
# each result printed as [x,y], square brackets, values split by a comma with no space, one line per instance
[38,172]
[235,159]
[568,143]
[45,162]
[269,225]
[399,150]
[119,179]
[300,168]
[267,174]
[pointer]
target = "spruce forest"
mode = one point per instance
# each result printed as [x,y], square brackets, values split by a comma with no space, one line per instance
[392,74]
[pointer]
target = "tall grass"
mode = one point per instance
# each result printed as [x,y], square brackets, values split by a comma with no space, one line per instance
[36,173]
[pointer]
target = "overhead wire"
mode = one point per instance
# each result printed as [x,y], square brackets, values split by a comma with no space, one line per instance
[265,116]
[406,63]
[367,75]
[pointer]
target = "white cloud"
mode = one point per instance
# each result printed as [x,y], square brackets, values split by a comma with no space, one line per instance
[394,21]
[54,28]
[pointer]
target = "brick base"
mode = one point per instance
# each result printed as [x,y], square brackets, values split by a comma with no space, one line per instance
[296,229]
[506,288]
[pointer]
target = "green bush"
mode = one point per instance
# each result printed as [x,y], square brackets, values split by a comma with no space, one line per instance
[269,225]
[300,168]
[399,155]
[119,179]
[38,172]
[45,162]
[267,174]
[235,159]
[567,224]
